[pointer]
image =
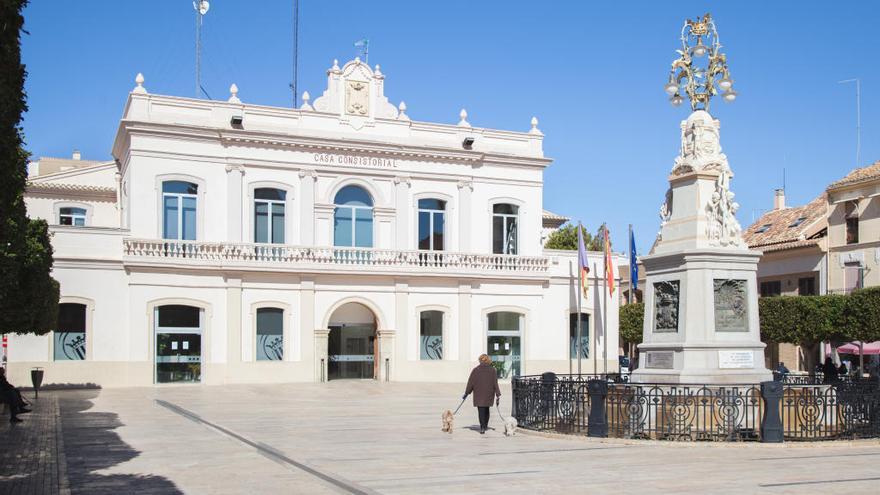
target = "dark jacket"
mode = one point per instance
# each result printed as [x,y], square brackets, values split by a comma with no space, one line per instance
[483,382]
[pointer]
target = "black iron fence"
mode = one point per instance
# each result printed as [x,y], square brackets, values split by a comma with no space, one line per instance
[602,405]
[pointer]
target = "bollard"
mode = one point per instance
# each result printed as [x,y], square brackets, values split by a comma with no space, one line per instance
[771,423]
[36,380]
[597,424]
[387,369]
[322,370]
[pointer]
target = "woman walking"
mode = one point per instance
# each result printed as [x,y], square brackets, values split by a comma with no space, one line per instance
[483,382]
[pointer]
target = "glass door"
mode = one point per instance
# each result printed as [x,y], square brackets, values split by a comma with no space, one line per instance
[504,343]
[351,351]
[178,344]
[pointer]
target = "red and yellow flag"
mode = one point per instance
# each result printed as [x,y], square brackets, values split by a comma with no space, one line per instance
[609,269]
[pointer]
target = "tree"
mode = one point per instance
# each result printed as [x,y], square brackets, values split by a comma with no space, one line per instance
[632,318]
[566,238]
[863,315]
[28,293]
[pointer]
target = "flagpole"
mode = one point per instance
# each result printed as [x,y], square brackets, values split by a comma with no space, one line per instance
[629,255]
[580,289]
[605,297]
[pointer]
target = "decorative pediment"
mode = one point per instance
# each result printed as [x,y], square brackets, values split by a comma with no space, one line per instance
[356,93]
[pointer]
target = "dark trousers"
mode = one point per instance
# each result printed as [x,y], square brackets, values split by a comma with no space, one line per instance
[12,397]
[483,413]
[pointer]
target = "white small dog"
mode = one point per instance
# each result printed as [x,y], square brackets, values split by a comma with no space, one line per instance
[510,425]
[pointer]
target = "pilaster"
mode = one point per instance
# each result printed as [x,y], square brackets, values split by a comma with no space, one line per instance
[322,338]
[233,320]
[307,179]
[465,211]
[234,180]
[386,355]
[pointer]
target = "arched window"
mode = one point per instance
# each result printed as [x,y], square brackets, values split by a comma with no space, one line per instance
[270,334]
[432,219]
[503,343]
[353,218]
[72,216]
[269,215]
[504,228]
[70,337]
[431,333]
[179,200]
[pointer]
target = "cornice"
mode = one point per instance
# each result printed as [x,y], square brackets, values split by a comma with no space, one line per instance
[231,137]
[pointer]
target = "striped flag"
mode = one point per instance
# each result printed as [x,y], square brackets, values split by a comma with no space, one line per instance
[583,266]
[609,270]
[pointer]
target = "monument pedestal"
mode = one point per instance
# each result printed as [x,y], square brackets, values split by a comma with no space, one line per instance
[701,303]
[701,321]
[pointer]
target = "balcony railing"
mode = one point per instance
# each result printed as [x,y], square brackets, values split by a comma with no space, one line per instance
[248,254]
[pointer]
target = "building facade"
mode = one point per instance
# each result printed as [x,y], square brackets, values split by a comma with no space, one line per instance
[237,243]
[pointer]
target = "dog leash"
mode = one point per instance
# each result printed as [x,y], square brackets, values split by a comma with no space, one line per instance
[459,406]
[497,408]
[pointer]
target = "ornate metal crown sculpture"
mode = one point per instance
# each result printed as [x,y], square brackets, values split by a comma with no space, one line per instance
[696,81]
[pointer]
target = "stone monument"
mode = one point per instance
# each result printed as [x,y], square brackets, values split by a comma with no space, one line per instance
[701,302]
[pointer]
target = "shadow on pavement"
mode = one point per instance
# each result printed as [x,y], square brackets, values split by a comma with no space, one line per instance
[91,444]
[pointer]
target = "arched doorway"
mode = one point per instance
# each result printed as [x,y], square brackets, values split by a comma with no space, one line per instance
[352,346]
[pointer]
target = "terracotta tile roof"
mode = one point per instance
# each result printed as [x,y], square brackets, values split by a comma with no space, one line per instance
[78,190]
[553,220]
[858,175]
[787,228]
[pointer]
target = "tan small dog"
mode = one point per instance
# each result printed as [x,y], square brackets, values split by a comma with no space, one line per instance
[448,421]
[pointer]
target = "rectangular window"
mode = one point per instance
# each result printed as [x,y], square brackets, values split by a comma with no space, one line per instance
[771,289]
[431,332]
[270,334]
[585,336]
[852,222]
[72,216]
[70,337]
[807,286]
[852,277]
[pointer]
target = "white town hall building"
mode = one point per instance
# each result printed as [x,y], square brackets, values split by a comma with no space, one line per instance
[237,243]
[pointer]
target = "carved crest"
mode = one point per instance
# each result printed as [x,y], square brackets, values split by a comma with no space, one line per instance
[357,98]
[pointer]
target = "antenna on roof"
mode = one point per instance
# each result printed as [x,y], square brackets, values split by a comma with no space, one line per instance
[858,118]
[201,7]
[295,49]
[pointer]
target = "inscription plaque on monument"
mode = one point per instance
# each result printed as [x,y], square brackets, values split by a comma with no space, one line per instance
[731,311]
[666,294]
[736,359]
[659,360]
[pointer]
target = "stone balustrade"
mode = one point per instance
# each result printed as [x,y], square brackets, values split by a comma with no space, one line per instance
[160,251]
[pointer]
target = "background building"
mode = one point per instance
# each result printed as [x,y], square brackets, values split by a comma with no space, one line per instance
[829,246]
[230,243]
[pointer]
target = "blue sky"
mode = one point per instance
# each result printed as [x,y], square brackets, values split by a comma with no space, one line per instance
[592,72]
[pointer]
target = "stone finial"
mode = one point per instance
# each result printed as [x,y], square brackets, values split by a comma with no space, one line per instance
[463,122]
[534,129]
[378,71]
[139,79]
[306,97]
[233,94]
[357,60]
[335,69]
[402,111]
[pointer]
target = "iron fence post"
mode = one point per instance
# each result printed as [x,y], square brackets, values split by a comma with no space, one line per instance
[597,424]
[771,423]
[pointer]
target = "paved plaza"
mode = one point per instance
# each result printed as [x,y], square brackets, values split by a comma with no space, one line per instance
[370,437]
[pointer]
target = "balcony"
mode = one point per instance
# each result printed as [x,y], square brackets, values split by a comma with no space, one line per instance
[312,259]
